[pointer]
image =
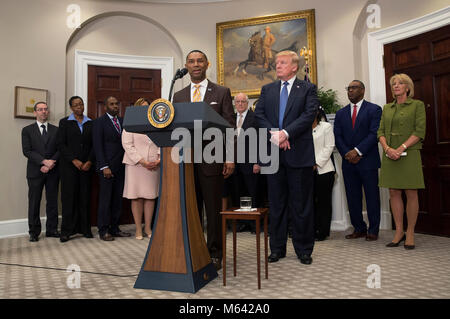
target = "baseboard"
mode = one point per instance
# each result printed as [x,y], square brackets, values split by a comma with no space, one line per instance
[19,227]
[338,225]
[342,225]
[16,227]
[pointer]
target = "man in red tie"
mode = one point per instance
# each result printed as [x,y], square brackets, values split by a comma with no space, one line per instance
[355,131]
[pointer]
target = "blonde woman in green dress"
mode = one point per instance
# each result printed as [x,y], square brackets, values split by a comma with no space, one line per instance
[401,132]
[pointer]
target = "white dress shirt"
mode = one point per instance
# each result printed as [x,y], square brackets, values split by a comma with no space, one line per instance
[290,84]
[358,107]
[289,87]
[40,128]
[203,86]
[244,114]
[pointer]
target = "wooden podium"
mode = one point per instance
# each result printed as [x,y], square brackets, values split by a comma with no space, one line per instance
[177,258]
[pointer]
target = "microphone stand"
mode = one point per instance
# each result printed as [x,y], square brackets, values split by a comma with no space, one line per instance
[178,75]
[171,88]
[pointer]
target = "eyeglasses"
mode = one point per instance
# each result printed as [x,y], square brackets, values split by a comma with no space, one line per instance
[240,102]
[354,87]
[42,109]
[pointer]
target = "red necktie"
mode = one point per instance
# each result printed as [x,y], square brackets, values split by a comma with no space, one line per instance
[354,116]
[116,124]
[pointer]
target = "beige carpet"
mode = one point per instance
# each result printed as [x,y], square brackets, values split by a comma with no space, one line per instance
[339,270]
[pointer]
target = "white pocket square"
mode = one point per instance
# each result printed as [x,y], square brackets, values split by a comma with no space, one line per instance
[213,103]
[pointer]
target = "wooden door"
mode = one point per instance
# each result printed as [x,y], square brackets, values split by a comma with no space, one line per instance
[127,85]
[426,59]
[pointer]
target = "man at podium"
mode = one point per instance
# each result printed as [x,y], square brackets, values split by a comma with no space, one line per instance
[208,177]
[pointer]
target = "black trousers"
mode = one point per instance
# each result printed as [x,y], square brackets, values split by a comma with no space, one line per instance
[290,193]
[35,187]
[323,186]
[209,191]
[75,198]
[110,203]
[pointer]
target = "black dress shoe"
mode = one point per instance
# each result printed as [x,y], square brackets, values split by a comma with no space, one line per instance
[88,235]
[409,247]
[55,234]
[121,234]
[64,238]
[274,257]
[355,235]
[392,244]
[371,237]
[107,237]
[34,238]
[305,259]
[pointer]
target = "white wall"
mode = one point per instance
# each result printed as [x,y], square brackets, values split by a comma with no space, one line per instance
[34,39]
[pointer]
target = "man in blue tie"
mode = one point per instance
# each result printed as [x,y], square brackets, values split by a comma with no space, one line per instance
[286,108]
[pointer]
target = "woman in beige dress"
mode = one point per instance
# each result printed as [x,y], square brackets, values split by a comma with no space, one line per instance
[141,159]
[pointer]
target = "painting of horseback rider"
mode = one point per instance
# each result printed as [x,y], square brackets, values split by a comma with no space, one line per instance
[246,51]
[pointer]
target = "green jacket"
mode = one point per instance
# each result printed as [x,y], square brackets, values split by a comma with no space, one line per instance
[411,122]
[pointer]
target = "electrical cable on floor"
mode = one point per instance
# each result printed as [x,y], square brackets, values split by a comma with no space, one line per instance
[62,269]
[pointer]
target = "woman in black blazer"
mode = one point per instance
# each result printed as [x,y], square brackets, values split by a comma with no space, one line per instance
[74,142]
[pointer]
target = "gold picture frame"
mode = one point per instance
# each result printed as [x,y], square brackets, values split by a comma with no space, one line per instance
[244,66]
[24,101]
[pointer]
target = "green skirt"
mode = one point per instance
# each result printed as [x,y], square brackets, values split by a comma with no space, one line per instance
[404,173]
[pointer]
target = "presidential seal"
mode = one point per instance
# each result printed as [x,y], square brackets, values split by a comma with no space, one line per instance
[160,113]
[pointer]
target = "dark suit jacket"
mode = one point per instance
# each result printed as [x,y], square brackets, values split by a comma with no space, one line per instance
[219,98]
[250,144]
[363,136]
[73,144]
[107,144]
[36,149]
[299,115]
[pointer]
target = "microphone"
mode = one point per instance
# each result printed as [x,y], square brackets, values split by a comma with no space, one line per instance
[180,73]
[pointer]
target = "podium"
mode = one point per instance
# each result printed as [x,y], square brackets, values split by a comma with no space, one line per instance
[177,258]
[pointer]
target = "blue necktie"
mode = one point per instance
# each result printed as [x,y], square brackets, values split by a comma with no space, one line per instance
[283,101]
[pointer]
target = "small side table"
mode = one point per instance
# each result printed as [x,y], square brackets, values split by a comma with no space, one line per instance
[245,215]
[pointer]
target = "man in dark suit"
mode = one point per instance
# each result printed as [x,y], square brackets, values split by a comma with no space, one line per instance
[39,146]
[246,173]
[106,133]
[287,109]
[209,177]
[74,142]
[355,131]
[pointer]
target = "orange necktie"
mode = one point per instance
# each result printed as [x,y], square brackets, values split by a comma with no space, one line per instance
[197,97]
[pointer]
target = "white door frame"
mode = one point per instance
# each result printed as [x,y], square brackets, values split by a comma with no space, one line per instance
[85,58]
[377,40]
